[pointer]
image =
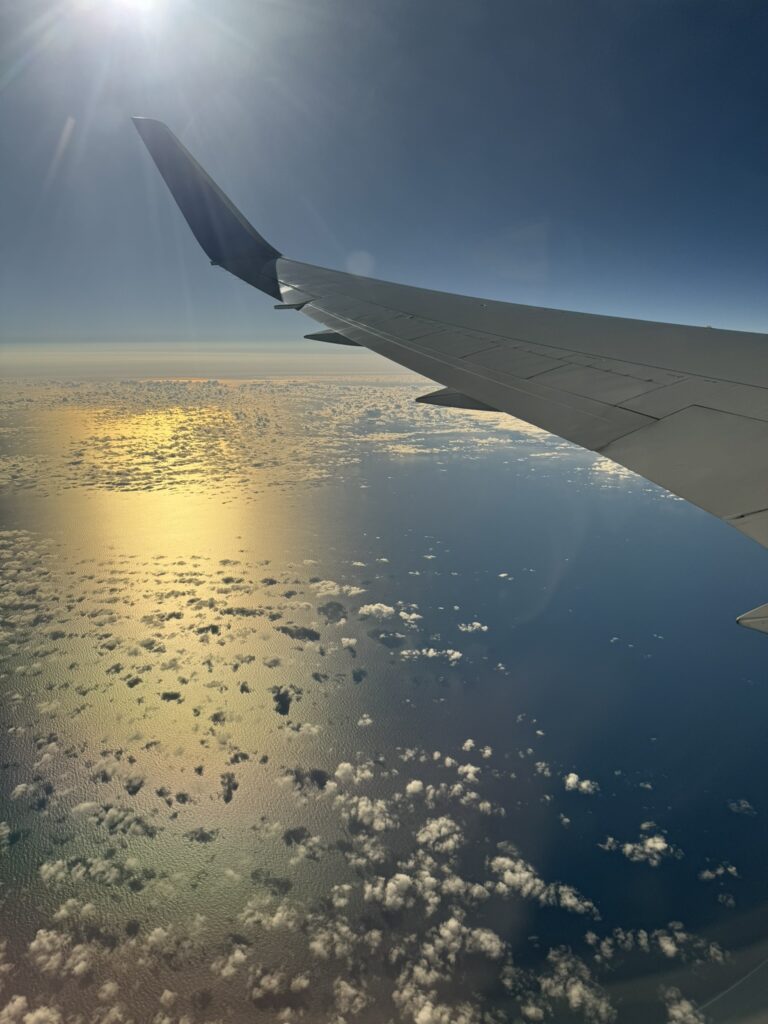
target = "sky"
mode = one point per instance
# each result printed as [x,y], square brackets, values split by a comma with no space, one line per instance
[601,156]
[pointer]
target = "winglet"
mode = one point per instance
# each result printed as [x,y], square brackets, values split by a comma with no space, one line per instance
[222,231]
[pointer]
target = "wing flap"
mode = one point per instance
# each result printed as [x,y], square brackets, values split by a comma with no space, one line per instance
[701,454]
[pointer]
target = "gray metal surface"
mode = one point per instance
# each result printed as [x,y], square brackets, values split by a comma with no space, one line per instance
[686,407]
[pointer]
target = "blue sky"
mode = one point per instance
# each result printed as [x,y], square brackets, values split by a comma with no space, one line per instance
[605,156]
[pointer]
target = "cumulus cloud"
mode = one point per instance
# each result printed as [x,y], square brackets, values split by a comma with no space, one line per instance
[227,966]
[452,657]
[517,876]
[410,618]
[369,812]
[651,849]
[741,806]
[679,1009]
[376,611]
[53,953]
[442,835]
[329,588]
[573,783]
[393,893]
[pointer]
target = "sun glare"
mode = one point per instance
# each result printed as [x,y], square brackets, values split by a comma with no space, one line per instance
[141,6]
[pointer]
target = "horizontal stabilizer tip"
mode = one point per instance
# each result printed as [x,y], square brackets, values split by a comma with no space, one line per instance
[756,619]
[222,231]
[454,400]
[332,337]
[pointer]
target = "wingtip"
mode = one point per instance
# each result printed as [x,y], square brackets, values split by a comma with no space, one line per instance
[141,124]
[756,619]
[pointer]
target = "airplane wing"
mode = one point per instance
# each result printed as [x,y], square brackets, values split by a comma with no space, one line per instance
[685,407]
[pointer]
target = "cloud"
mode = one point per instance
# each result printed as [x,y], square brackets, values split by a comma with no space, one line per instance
[648,849]
[442,835]
[673,941]
[573,783]
[228,966]
[53,953]
[679,1009]
[329,588]
[485,941]
[368,812]
[350,999]
[257,913]
[410,618]
[376,611]
[741,806]
[453,657]
[708,874]
[516,876]
[393,893]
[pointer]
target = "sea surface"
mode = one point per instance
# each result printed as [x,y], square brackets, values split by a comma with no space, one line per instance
[322,705]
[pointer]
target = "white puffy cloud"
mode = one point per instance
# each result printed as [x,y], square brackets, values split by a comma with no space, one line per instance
[515,875]
[672,941]
[708,874]
[679,1009]
[14,1010]
[453,657]
[228,966]
[441,834]
[393,893]
[649,849]
[353,775]
[330,938]
[376,611]
[349,998]
[568,980]
[257,912]
[485,941]
[43,1015]
[372,812]
[410,618]
[53,953]
[573,783]
[329,588]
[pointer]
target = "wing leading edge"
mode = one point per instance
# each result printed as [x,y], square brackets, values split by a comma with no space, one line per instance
[685,407]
